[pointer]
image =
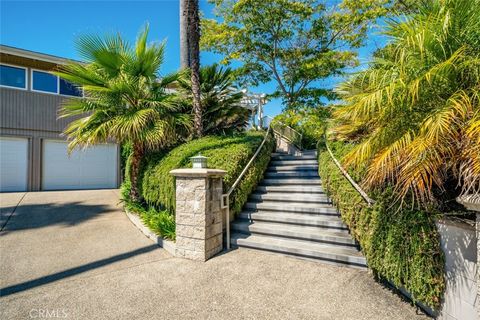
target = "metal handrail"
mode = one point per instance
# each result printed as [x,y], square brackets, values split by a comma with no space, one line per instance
[283,124]
[226,197]
[364,195]
[291,139]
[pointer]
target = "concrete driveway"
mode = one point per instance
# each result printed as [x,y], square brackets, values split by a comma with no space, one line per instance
[75,255]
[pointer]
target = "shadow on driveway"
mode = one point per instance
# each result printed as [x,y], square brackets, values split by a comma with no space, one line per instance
[73,271]
[31,216]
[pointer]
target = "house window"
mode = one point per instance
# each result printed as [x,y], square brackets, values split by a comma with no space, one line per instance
[44,81]
[13,77]
[68,89]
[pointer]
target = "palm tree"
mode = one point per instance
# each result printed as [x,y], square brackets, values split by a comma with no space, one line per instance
[193,42]
[126,100]
[415,112]
[184,49]
[222,112]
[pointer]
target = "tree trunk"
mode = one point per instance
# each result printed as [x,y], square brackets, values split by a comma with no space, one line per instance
[137,156]
[184,48]
[194,54]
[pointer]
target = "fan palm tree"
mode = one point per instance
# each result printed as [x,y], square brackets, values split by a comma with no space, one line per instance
[126,99]
[415,112]
[222,112]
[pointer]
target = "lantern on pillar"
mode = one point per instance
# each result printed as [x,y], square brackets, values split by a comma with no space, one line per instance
[199,162]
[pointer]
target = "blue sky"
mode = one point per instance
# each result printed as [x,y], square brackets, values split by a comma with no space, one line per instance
[51,27]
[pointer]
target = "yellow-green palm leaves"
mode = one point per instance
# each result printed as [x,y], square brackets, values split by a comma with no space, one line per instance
[415,112]
[126,98]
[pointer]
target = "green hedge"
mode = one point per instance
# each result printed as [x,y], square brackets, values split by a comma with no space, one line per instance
[401,246]
[230,153]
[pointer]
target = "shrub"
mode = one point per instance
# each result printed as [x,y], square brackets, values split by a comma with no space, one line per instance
[400,245]
[230,153]
[161,222]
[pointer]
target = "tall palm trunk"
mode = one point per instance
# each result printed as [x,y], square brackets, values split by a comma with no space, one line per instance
[138,152]
[194,56]
[184,48]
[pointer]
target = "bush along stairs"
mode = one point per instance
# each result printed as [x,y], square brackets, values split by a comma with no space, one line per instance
[289,213]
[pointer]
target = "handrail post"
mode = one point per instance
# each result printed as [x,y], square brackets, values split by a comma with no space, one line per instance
[228,222]
[225,204]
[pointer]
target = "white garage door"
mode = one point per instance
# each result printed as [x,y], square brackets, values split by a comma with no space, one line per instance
[13,164]
[92,168]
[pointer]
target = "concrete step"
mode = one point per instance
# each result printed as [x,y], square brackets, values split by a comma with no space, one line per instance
[317,209]
[293,162]
[291,157]
[285,182]
[277,168]
[290,197]
[276,154]
[307,249]
[334,237]
[290,188]
[292,174]
[325,222]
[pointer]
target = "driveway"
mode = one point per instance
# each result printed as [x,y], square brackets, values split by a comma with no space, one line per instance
[75,255]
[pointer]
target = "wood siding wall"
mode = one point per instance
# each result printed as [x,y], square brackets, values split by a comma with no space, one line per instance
[28,110]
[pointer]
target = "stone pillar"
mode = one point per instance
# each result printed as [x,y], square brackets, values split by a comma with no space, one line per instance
[198,215]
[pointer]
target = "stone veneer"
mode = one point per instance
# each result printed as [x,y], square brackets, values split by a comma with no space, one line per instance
[198,215]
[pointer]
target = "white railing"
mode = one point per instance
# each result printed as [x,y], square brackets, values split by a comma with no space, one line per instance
[364,195]
[225,204]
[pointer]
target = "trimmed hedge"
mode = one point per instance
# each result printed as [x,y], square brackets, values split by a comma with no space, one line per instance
[230,153]
[400,245]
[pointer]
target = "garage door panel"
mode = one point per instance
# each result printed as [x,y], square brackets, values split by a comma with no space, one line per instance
[13,164]
[92,168]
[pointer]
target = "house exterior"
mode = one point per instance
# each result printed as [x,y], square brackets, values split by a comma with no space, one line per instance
[33,151]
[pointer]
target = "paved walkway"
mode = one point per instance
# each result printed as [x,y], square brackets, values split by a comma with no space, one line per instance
[75,255]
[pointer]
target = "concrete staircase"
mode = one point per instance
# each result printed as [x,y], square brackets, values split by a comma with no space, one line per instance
[289,213]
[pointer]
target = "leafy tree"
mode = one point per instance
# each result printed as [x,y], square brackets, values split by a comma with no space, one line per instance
[310,122]
[222,111]
[369,10]
[125,98]
[294,43]
[415,111]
